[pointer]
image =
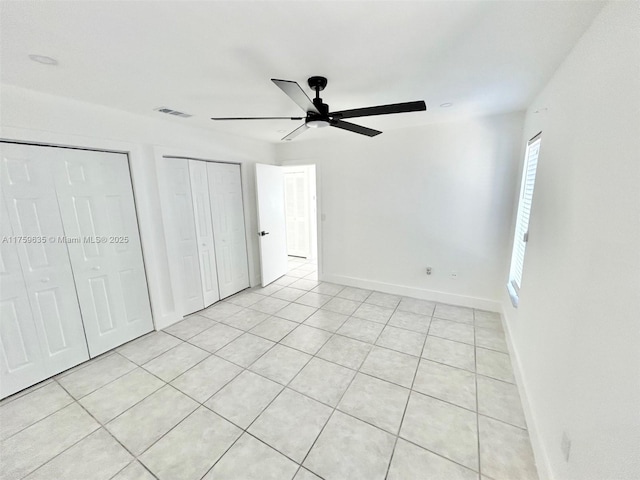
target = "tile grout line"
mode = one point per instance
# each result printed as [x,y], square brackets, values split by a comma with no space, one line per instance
[341,396]
[246,430]
[55,380]
[287,386]
[406,405]
[18,395]
[166,384]
[73,400]
[104,426]
[152,358]
[362,373]
[475,379]
[100,426]
[135,460]
[140,400]
[77,400]
[85,364]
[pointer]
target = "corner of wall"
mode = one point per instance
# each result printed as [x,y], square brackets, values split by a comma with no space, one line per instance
[539,451]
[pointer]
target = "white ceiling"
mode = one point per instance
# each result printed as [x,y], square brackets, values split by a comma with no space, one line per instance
[217,58]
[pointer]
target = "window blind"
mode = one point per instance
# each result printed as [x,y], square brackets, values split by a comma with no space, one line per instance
[524,211]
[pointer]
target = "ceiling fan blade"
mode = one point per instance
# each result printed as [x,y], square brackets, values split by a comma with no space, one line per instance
[381,110]
[352,127]
[295,93]
[257,118]
[301,129]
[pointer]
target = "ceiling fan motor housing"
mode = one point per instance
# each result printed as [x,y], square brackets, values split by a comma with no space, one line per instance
[317,83]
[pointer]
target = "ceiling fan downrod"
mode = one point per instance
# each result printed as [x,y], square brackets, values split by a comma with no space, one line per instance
[321,118]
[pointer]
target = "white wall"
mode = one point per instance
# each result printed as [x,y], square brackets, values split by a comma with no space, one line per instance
[439,196]
[576,333]
[313,213]
[36,117]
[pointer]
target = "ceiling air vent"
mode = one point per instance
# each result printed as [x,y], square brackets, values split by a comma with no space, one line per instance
[170,111]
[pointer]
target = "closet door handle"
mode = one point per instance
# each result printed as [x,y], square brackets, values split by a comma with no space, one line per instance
[263,233]
[97,267]
[45,279]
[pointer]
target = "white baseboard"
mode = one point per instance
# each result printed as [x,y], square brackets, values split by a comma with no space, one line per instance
[435,296]
[539,451]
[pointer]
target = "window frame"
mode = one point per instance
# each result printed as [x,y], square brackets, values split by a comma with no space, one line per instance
[525,199]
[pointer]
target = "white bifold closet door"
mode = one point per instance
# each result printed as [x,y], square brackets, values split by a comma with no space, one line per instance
[182,242]
[203,219]
[204,231]
[225,193]
[41,332]
[96,202]
[64,296]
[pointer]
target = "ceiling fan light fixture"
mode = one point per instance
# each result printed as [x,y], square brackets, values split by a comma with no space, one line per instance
[317,123]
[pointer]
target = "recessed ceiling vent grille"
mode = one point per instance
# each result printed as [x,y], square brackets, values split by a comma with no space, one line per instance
[175,113]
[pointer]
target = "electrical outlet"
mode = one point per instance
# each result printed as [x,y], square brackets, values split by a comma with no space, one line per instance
[428,270]
[565,446]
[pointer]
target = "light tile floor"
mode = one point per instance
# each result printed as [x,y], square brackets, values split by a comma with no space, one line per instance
[299,380]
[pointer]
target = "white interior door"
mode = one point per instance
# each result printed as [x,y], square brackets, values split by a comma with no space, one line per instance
[180,231]
[296,195]
[41,334]
[96,203]
[204,231]
[227,213]
[271,222]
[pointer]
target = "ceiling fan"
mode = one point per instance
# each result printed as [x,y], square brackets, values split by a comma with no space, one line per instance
[318,114]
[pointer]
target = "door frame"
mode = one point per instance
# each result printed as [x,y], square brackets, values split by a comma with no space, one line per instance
[135,163]
[319,209]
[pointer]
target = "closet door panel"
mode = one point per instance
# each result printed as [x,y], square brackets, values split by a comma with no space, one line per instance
[21,361]
[204,231]
[179,226]
[96,202]
[225,193]
[31,210]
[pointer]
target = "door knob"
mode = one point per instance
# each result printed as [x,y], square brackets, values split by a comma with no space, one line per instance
[263,233]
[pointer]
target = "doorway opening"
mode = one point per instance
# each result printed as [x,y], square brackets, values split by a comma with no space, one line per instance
[301,215]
